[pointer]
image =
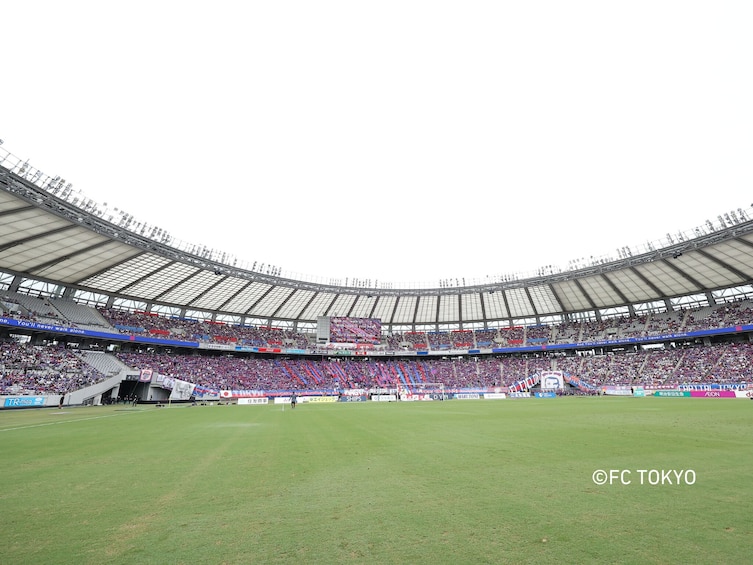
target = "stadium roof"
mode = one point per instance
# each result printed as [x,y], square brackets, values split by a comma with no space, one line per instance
[58,240]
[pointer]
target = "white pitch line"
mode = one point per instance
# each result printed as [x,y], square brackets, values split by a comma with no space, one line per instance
[55,423]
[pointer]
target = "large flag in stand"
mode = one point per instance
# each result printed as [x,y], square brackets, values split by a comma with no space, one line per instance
[145,376]
[182,390]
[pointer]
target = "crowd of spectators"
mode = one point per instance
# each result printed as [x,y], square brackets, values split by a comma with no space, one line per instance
[33,308]
[462,339]
[27,369]
[485,338]
[31,369]
[724,363]
[206,331]
[144,323]
[438,341]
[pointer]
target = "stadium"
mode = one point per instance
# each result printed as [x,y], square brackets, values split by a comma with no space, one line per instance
[105,315]
[674,314]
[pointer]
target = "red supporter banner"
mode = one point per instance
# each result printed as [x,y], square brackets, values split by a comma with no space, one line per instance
[224,338]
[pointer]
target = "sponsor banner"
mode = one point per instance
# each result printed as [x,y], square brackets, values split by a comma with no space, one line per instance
[216,346]
[351,398]
[354,392]
[520,395]
[472,396]
[617,390]
[715,386]
[316,399]
[253,401]
[424,396]
[23,401]
[712,393]
[744,394]
[495,395]
[639,392]
[672,393]
[545,395]
[384,398]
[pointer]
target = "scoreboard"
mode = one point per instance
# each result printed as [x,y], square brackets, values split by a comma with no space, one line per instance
[344,330]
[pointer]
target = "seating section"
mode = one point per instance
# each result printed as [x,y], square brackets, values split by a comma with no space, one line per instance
[67,313]
[31,369]
[724,363]
[35,369]
[26,369]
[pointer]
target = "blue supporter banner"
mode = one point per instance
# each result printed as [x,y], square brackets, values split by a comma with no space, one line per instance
[132,329]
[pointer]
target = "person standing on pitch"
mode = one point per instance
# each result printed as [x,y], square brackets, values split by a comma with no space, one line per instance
[293,400]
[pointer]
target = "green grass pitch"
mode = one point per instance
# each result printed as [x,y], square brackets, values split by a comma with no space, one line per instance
[506,481]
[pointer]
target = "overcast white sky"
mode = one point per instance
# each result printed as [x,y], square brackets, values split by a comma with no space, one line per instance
[394,140]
